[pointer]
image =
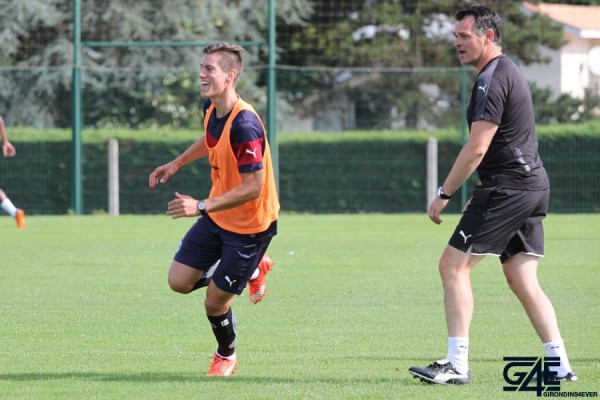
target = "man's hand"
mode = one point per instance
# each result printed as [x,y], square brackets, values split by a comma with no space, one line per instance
[182,206]
[162,174]
[8,150]
[435,209]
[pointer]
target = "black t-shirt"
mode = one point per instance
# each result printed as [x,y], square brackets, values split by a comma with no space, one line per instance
[501,95]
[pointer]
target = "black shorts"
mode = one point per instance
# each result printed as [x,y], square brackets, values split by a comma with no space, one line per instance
[206,243]
[502,222]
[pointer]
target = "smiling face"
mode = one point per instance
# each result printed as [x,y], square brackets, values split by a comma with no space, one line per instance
[469,46]
[213,79]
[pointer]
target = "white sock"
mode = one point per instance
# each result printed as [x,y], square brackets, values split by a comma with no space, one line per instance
[557,349]
[9,207]
[255,274]
[231,357]
[458,353]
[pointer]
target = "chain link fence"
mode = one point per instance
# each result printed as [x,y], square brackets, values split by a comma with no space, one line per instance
[342,66]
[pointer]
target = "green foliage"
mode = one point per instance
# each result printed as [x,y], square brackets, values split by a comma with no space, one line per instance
[583,129]
[564,109]
[173,98]
[308,173]
[354,172]
[400,43]
[523,35]
[89,136]
[135,86]
[171,135]
[87,312]
[412,35]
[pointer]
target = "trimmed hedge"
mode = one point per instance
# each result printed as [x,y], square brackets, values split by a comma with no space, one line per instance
[384,174]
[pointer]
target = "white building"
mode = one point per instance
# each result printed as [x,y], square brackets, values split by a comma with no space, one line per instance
[575,67]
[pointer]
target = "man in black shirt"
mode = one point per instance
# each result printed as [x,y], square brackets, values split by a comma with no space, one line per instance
[504,215]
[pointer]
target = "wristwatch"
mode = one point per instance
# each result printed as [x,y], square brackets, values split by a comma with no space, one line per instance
[440,193]
[202,207]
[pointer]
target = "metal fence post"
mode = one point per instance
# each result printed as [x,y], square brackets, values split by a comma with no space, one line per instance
[113,177]
[77,183]
[432,170]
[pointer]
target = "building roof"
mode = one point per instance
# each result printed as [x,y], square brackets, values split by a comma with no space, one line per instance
[582,21]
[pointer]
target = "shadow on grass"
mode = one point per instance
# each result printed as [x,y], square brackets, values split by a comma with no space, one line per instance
[98,376]
[401,370]
[402,365]
[150,377]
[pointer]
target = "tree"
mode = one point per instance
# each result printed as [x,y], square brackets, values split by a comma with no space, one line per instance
[564,108]
[131,86]
[394,58]
[412,39]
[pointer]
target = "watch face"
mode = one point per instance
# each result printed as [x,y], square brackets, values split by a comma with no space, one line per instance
[443,195]
[201,206]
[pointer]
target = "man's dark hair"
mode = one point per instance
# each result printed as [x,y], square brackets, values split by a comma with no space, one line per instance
[232,56]
[485,18]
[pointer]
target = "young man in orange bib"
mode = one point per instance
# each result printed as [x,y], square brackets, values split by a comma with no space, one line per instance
[239,217]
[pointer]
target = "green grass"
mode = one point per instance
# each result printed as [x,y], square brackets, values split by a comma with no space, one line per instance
[353,301]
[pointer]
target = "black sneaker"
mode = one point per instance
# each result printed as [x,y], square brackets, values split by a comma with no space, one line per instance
[569,377]
[441,372]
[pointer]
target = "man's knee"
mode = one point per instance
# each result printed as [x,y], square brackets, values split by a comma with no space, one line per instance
[455,264]
[214,307]
[182,278]
[447,272]
[448,267]
[180,286]
[217,301]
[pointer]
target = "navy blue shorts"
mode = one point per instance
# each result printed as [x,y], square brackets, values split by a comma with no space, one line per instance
[502,222]
[206,243]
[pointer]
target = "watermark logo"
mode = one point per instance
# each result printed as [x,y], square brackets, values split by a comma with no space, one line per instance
[534,374]
[531,374]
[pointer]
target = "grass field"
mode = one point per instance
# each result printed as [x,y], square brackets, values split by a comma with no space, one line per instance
[353,301]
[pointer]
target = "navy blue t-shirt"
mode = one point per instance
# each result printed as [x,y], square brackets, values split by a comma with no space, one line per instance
[247,137]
